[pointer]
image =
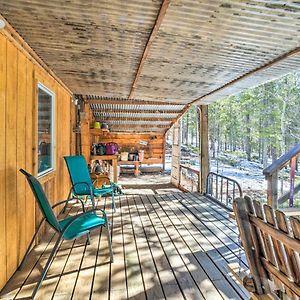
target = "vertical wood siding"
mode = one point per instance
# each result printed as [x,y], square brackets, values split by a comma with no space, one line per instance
[18,149]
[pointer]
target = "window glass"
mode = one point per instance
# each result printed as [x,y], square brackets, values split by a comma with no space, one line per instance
[45,130]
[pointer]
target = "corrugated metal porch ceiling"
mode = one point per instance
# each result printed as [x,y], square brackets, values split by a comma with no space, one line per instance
[198,51]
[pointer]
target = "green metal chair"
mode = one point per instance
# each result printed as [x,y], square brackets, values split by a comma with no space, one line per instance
[69,228]
[82,184]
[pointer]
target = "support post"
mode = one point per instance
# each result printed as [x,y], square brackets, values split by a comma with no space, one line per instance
[85,132]
[164,152]
[272,190]
[203,147]
[176,153]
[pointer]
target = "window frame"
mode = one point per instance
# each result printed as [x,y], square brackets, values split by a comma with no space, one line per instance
[53,129]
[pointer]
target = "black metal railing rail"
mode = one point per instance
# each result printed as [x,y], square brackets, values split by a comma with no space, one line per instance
[222,189]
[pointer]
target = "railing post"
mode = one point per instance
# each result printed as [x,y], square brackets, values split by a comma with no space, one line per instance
[203,143]
[271,175]
[272,190]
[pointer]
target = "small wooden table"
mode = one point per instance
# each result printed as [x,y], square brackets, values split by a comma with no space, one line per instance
[136,164]
[114,162]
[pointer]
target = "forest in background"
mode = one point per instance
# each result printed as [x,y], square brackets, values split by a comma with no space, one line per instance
[260,123]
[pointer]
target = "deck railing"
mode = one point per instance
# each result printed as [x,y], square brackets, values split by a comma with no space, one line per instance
[188,178]
[271,174]
[222,189]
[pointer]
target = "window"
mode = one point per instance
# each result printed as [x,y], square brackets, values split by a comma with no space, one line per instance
[45,130]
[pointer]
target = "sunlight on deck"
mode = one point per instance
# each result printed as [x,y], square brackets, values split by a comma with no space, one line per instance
[166,245]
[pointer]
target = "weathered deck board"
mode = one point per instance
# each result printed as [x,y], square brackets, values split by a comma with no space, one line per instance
[166,246]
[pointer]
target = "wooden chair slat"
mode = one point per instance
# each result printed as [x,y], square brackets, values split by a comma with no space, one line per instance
[247,234]
[269,248]
[295,256]
[260,248]
[292,256]
[279,250]
[272,246]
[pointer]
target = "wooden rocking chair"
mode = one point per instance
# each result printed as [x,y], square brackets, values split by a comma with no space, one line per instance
[271,243]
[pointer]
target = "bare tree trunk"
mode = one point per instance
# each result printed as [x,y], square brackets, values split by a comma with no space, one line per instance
[264,153]
[187,128]
[273,153]
[264,139]
[248,137]
[283,127]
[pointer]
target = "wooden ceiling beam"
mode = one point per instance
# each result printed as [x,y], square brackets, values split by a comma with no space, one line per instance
[130,102]
[159,19]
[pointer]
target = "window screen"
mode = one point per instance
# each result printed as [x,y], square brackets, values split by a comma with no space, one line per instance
[45,130]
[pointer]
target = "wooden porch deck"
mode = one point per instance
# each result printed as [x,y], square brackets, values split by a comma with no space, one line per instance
[166,246]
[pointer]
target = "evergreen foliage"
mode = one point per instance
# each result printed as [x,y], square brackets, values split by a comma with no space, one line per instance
[262,122]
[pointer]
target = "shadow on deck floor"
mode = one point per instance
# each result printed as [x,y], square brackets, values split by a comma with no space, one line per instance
[166,246]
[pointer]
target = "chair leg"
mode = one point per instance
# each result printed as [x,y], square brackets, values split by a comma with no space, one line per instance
[30,245]
[89,238]
[93,201]
[113,201]
[47,266]
[111,255]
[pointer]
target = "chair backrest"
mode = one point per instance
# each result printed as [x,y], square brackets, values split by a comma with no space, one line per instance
[272,246]
[42,200]
[79,172]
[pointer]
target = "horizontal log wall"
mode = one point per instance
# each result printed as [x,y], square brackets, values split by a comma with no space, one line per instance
[130,142]
[19,75]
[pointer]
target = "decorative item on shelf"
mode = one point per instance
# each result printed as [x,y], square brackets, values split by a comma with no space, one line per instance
[141,155]
[143,143]
[124,156]
[97,125]
[98,168]
[111,148]
[131,156]
[101,149]
[104,125]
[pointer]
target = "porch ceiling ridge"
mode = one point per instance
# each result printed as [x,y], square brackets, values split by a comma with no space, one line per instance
[154,32]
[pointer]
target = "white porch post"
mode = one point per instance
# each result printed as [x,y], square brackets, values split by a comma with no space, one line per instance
[176,143]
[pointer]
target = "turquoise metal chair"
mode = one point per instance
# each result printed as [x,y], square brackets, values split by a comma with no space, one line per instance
[82,184]
[69,228]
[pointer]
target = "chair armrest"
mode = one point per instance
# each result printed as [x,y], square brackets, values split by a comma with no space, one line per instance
[64,201]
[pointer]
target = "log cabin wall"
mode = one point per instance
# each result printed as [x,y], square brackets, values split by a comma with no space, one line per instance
[152,144]
[19,75]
